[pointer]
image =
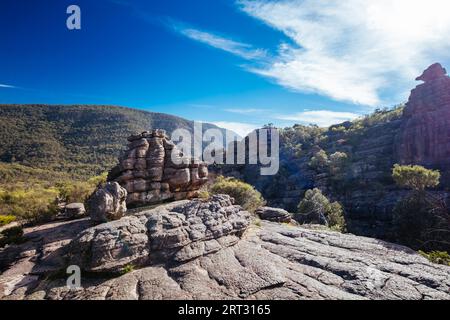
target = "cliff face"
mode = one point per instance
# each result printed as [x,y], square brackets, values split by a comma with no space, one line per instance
[416,134]
[425,134]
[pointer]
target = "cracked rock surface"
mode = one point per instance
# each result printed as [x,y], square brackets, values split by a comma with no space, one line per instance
[194,255]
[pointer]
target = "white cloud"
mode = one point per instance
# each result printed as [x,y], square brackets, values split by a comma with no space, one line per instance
[7,86]
[323,118]
[354,50]
[243,50]
[242,129]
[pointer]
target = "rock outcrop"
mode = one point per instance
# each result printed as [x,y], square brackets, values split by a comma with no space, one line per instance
[107,203]
[269,261]
[274,214]
[150,175]
[74,210]
[425,135]
[176,232]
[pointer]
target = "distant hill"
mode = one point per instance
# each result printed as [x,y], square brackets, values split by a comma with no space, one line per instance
[80,140]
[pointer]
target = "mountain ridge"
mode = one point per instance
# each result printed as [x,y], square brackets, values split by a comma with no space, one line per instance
[84,140]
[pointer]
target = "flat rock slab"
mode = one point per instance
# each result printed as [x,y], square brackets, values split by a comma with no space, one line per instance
[274,261]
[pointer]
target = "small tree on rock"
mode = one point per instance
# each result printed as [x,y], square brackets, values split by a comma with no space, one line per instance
[319,161]
[317,209]
[421,220]
[416,178]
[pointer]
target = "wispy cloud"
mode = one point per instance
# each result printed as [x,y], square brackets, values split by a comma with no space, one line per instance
[240,49]
[322,118]
[353,50]
[242,129]
[7,86]
[360,51]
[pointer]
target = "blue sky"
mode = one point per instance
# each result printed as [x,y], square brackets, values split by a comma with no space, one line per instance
[239,64]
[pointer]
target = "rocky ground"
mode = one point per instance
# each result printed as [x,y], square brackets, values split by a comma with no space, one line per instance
[212,250]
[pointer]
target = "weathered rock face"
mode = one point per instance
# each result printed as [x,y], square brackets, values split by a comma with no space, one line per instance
[176,232]
[425,135]
[148,173]
[109,247]
[274,214]
[74,210]
[273,261]
[107,203]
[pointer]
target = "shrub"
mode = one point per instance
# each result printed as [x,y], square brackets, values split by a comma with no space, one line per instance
[74,191]
[336,219]
[34,205]
[12,235]
[4,220]
[337,162]
[244,194]
[79,191]
[439,257]
[420,219]
[127,269]
[316,208]
[319,161]
[416,178]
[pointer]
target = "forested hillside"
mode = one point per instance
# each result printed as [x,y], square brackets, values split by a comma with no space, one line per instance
[81,141]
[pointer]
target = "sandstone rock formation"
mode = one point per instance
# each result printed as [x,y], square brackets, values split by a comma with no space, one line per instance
[270,261]
[425,134]
[273,261]
[274,214]
[147,172]
[107,203]
[74,210]
[178,232]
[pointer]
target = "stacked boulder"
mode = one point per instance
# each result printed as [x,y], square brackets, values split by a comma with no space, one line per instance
[149,174]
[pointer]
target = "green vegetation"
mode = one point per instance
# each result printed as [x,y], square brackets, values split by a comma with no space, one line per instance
[439,257]
[319,161]
[416,178]
[421,220]
[127,269]
[337,162]
[244,194]
[36,201]
[78,141]
[316,208]
[33,205]
[12,235]
[4,220]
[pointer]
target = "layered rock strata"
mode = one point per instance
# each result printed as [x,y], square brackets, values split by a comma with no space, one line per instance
[177,232]
[270,261]
[425,134]
[153,170]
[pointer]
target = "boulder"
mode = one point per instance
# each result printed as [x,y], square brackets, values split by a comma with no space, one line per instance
[176,232]
[274,214]
[148,172]
[110,247]
[74,210]
[107,203]
[192,229]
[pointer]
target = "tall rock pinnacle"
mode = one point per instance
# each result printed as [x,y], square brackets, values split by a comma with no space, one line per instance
[425,134]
